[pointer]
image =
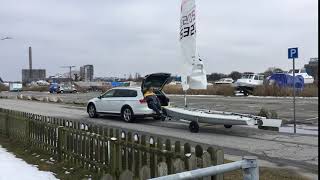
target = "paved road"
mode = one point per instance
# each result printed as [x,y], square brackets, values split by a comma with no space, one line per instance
[283,149]
[306,108]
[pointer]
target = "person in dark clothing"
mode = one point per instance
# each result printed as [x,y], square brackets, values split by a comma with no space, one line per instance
[153,102]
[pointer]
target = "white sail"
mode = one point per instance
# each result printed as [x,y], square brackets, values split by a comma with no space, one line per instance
[193,75]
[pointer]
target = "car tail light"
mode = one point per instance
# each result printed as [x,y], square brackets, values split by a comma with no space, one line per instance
[142,101]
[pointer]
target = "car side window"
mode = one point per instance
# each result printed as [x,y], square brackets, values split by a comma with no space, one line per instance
[109,93]
[256,77]
[261,77]
[125,93]
[132,93]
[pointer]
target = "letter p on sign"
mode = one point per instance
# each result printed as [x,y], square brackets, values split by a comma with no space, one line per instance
[292,53]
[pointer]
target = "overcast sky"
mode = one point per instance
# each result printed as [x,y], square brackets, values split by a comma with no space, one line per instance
[126,36]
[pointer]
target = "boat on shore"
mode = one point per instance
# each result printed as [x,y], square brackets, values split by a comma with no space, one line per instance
[248,82]
[302,72]
[224,81]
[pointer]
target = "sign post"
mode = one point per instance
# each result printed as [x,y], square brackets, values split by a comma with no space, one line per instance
[292,54]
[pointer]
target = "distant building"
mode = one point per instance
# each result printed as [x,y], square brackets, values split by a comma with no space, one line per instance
[86,73]
[312,68]
[29,75]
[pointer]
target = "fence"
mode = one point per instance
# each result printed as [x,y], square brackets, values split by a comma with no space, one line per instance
[114,153]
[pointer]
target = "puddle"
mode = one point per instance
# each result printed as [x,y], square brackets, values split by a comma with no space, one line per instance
[301,129]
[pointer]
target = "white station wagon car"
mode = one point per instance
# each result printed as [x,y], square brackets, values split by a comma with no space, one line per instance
[129,102]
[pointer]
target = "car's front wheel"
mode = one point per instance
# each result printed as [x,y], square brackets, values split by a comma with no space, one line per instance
[227,126]
[194,127]
[127,114]
[92,111]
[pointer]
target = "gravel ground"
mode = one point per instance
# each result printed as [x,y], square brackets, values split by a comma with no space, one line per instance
[306,108]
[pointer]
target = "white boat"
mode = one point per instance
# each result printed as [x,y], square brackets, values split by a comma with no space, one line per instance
[219,118]
[224,81]
[306,77]
[42,83]
[248,81]
[193,74]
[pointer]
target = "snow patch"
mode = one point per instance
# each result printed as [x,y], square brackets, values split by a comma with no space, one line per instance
[15,168]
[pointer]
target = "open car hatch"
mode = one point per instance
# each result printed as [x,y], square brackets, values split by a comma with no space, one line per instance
[156,81]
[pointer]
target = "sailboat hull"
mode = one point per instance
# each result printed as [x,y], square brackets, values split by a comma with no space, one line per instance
[210,118]
[220,117]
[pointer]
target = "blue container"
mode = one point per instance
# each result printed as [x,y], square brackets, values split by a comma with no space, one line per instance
[286,80]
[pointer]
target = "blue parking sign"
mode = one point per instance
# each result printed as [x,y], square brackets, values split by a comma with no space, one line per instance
[292,53]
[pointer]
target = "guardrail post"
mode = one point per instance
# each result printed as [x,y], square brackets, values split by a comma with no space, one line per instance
[250,168]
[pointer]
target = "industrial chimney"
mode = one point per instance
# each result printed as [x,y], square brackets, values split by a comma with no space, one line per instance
[30,62]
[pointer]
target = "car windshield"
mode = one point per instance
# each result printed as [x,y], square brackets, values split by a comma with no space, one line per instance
[247,76]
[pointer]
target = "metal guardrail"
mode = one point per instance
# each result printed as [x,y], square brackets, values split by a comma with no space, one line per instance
[248,164]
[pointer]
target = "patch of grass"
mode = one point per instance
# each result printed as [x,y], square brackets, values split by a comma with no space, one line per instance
[225,90]
[309,90]
[43,162]
[36,88]
[266,173]
[3,88]
[270,90]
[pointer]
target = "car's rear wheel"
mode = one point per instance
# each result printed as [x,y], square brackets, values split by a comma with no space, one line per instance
[194,127]
[92,111]
[127,114]
[227,126]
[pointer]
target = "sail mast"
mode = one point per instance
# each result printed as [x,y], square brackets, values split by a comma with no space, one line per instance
[193,75]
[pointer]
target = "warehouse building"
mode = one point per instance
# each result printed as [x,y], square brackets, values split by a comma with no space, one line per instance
[29,75]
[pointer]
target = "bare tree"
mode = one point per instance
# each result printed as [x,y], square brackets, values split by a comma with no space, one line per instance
[272,70]
[235,75]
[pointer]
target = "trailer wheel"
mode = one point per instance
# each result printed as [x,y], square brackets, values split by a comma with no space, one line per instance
[194,127]
[227,126]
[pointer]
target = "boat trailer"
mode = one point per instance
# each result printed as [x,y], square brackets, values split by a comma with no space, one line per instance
[195,116]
